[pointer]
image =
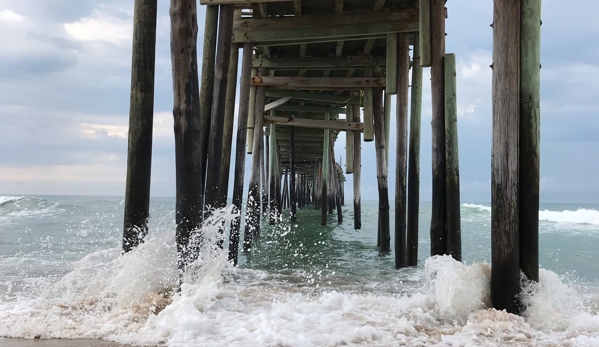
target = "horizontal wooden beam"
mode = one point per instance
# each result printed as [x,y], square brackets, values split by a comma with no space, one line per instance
[330,28]
[311,109]
[237,2]
[338,83]
[318,63]
[315,97]
[314,123]
[276,103]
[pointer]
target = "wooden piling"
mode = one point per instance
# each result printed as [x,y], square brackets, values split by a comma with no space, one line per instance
[186,114]
[438,211]
[424,35]
[239,173]
[272,172]
[454,229]
[223,186]
[293,190]
[414,158]
[251,109]
[401,162]
[325,175]
[252,225]
[505,248]
[141,115]
[391,64]
[387,126]
[349,142]
[207,83]
[357,170]
[368,110]
[264,160]
[530,113]
[384,234]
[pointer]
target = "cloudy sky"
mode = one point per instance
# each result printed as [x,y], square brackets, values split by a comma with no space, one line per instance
[64,99]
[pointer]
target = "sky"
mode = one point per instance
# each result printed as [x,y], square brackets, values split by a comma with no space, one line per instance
[65,70]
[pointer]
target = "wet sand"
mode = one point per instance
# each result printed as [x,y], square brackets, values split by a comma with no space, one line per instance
[58,343]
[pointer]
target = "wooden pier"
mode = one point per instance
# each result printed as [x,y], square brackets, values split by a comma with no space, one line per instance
[310,71]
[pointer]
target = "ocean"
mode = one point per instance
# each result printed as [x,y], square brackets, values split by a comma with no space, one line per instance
[62,276]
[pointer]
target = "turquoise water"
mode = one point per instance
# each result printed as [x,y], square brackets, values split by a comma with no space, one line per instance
[62,276]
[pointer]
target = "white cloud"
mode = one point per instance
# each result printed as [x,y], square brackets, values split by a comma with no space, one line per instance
[10,17]
[100,26]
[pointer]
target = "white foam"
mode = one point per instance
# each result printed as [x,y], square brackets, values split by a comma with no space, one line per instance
[7,199]
[580,216]
[477,207]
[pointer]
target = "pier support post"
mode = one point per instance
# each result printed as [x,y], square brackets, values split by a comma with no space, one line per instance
[207,84]
[293,185]
[414,157]
[242,121]
[325,175]
[252,225]
[439,211]
[186,114]
[273,173]
[368,110]
[217,113]
[141,115]
[505,249]
[264,161]
[384,234]
[349,141]
[357,169]
[530,137]
[401,162]
[454,229]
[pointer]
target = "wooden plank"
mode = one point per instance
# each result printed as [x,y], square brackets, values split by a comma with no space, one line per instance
[438,209]
[349,143]
[454,229]
[141,116]
[242,122]
[505,248]
[217,117]
[414,160]
[311,109]
[530,121]
[238,2]
[391,64]
[207,82]
[186,112]
[315,124]
[276,103]
[317,97]
[424,33]
[339,63]
[401,162]
[376,7]
[318,82]
[357,170]
[368,110]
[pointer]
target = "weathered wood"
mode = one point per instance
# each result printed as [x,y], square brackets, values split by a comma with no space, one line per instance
[414,160]
[314,123]
[505,248]
[293,195]
[223,188]
[333,63]
[186,114]
[438,210]
[237,2]
[264,160]
[530,119]
[272,174]
[310,109]
[454,229]
[387,110]
[401,162]
[277,103]
[424,33]
[251,112]
[252,225]
[239,173]
[325,174]
[381,172]
[368,110]
[318,82]
[307,96]
[357,170]
[207,84]
[391,66]
[217,117]
[349,143]
[336,183]
[141,115]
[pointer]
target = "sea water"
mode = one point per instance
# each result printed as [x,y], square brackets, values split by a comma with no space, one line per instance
[62,275]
